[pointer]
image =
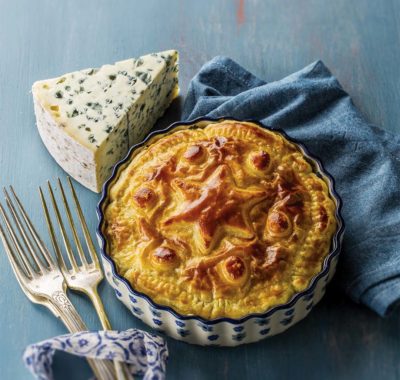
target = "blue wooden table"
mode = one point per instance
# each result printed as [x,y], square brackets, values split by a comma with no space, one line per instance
[358,40]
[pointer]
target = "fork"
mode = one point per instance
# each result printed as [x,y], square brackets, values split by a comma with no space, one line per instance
[85,276]
[38,275]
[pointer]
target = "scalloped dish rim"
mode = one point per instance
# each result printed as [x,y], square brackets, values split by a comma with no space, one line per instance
[336,239]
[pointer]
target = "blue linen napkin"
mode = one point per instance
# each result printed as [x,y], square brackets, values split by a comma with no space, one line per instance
[146,354]
[311,106]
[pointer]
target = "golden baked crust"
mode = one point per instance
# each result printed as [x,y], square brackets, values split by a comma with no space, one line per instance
[220,220]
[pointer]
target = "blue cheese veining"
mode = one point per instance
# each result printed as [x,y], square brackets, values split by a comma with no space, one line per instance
[88,119]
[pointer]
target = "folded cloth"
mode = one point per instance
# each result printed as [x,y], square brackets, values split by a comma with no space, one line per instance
[146,354]
[311,106]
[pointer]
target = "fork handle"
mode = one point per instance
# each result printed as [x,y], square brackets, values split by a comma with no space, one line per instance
[67,312]
[121,369]
[74,323]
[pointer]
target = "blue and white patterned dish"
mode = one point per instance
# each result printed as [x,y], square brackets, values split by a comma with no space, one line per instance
[221,331]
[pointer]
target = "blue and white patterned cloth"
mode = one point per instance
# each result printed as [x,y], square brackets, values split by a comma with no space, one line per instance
[146,354]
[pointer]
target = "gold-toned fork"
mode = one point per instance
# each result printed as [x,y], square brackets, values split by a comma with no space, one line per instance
[82,275]
[38,275]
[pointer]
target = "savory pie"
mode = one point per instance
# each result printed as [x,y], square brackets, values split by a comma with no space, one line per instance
[219,219]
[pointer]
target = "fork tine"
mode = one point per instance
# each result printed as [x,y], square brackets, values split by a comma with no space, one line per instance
[81,254]
[50,228]
[67,244]
[86,233]
[27,271]
[31,228]
[23,234]
[22,276]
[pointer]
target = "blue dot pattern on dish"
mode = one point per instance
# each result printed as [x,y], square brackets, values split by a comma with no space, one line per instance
[239,337]
[310,306]
[133,299]
[286,321]
[118,293]
[180,323]
[265,331]
[137,310]
[205,327]
[213,337]
[155,312]
[308,297]
[183,333]
[289,312]
[238,328]
[157,322]
[262,321]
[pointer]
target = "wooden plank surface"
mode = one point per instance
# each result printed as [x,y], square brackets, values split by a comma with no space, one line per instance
[39,39]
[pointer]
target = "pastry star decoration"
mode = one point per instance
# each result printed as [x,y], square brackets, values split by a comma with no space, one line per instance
[221,208]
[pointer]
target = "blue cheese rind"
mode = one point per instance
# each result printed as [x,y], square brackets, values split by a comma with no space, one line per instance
[88,119]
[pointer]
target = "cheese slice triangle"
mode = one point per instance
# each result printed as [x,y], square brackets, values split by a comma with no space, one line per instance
[88,119]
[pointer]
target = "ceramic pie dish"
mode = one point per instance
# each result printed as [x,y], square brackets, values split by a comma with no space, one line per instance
[220,231]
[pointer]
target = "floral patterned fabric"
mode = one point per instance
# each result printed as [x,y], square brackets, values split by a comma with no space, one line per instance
[146,354]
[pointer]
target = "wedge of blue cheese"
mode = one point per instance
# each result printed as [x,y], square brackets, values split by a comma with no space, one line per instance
[88,119]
